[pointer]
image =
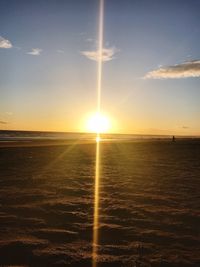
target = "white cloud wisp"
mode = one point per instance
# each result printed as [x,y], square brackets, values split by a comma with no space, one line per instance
[4,43]
[107,54]
[35,52]
[184,70]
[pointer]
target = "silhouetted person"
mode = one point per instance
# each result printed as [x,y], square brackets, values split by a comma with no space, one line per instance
[173,138]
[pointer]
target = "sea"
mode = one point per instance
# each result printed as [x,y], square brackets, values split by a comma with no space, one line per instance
[16,135]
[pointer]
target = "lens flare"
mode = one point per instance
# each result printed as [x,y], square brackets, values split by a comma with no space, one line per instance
[97,170]
[96,207]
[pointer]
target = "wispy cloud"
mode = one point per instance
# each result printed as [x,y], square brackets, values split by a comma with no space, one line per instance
[3,122]
[90,40]
[107,54]
[4,43]
[60,51]
[35,52]
[184,70]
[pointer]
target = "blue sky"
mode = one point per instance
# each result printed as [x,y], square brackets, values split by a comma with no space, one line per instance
[150,81]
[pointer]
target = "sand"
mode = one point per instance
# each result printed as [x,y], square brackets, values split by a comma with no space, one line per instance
[149,203]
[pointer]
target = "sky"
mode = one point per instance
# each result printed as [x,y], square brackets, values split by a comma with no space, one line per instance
[151,65]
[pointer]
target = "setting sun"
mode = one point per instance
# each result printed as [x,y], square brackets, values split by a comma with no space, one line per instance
[98,123]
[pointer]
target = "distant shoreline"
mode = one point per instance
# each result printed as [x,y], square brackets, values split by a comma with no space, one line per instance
[68,135]
[62,142]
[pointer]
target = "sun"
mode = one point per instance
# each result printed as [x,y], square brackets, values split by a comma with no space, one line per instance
[98,123]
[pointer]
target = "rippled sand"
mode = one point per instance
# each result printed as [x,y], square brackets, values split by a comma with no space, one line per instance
[149,204]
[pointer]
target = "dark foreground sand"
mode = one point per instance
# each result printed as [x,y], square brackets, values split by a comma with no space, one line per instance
[149,199]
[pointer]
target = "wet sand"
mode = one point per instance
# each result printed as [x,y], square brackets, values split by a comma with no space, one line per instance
[149,203]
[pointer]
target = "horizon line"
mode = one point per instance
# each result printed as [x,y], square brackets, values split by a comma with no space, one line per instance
[94,133]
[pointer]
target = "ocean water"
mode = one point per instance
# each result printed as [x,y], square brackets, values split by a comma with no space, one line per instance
[149,204]
[38,135]
[6,135]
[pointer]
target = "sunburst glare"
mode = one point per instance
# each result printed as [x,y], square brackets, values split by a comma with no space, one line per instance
[98,123]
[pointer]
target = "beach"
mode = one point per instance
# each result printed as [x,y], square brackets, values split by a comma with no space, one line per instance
[149,203]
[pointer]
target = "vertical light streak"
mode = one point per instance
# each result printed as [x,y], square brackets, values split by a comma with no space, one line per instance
[97,165]
[100,52]
[96,208]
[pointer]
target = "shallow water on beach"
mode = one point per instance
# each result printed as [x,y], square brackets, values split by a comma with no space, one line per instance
[149,204]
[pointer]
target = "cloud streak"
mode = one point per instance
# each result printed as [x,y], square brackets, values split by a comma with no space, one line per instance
[184,70]
[4,43]
[3,122]
[35,52]
[60,51]
[107,54]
